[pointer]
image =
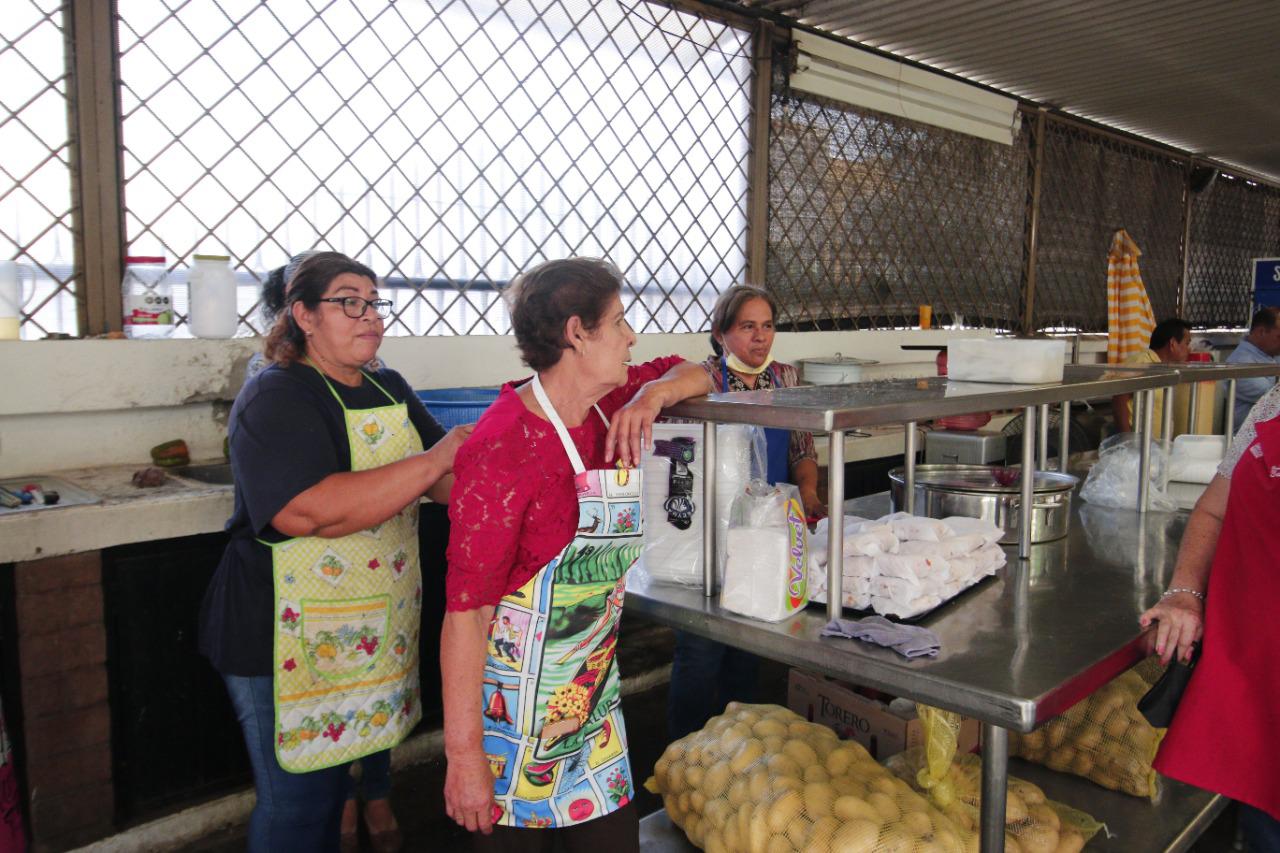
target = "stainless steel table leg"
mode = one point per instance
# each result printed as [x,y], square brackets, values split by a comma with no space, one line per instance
[1028,481]
[1044,436]
[1144,446]
[835,524]
[1064,436]
[1192,407]
[709,509]
[995,786]
[1166,432]
[909,468]
[1230,415]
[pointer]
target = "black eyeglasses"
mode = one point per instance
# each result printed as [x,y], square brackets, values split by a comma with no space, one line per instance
[355,306]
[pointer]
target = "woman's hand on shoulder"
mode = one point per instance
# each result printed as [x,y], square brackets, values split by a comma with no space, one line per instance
[468,791]
[447,447]
[1179,624]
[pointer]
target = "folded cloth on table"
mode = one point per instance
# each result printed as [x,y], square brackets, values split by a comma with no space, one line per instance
[910,566]
[988,559]
[915,527]
[962,525]
[904,609]
[910,641]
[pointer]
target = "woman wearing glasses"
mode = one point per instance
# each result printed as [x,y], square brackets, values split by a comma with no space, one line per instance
[313,615]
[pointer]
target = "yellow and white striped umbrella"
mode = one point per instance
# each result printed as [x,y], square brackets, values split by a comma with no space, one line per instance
[1130,319]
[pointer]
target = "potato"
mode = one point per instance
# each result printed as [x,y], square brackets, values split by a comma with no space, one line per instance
[1038,838]
[1015,808]
[948,841]
[732,840]
[697,801]
[749,754]
[1033,742]
[895,839]
[1088,738]
[799,728]
[819,797]
[785,809]
[787,783]
[766,727]
[784,765]
[758,785]
[801,752]
[1011,844]
[798,832]
[773,744]
[884,806]
[885,783]
[1055,734]
[738,793]
[821,833]
[1082,764]
[1070,842]
[816,773]
[1030,793]
[717,812]
[693,775]
[716,780]
[714,843]
[849,807]
[918,823]
[855,836]
[1044,815]
[1060,759]
[839,760]
[758,832]
[779,844]
[849,785]
[675,777]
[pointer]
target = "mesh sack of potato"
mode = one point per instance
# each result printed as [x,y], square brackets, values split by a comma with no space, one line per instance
[1103,738]
[760,779]
[953,784]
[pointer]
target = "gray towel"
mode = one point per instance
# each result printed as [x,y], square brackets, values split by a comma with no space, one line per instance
[910,641]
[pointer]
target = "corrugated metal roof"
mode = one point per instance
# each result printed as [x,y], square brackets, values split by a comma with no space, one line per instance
[1203,77]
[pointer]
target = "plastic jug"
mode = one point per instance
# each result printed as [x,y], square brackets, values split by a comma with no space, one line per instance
[14,296]
[213,297]
[148,298]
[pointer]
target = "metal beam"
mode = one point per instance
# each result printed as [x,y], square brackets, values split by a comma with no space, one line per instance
[758,164]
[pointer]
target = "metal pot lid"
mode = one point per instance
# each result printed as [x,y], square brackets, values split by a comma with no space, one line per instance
[838,360]
[984,479]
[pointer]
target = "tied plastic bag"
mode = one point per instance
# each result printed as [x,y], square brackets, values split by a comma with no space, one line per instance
[761,778]
[741,458]
[1103,738]
[673,504]
[1113,480]
[953,785]
[767,559]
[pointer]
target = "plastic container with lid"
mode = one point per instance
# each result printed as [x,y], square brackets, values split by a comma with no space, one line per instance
[213,297]
[147,297]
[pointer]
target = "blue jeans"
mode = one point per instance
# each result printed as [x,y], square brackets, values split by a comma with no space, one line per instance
[706,676]
[375,777]
[1261,830]
[294,811]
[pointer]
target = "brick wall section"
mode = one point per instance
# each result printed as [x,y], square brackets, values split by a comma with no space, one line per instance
[62,647]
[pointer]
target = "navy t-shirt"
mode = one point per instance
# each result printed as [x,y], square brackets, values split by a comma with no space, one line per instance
[287,433]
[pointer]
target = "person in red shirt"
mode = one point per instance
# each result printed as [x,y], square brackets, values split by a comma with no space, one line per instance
[546,522]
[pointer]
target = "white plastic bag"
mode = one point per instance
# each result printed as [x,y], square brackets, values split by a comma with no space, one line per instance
[672,553]
[916,527]
[767,554]
[741,457]
[1113,480]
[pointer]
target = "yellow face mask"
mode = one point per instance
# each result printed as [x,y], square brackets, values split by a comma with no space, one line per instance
[737,366]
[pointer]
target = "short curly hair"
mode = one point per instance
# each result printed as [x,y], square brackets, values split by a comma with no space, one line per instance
[543,299]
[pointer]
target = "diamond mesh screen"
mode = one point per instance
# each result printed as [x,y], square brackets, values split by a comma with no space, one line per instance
[448,145]
[1232,222]
[871,216]
[36,208]
[1093,185]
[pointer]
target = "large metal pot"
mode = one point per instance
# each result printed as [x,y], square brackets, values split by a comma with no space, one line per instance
[836,370]
[972,490]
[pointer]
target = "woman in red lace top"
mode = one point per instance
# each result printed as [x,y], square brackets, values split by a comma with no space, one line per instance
[544,527]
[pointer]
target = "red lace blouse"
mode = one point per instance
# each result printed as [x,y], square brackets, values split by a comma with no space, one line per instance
[513,505]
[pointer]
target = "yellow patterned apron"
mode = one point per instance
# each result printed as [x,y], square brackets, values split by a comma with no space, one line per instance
[553,727]
[347,618]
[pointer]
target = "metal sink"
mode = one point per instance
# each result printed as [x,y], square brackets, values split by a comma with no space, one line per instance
[215,475]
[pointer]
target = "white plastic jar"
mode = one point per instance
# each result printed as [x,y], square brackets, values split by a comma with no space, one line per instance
[213,297]
[148,298]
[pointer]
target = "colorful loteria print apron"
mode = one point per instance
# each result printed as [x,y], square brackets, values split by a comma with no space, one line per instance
[347,618]
[553,727]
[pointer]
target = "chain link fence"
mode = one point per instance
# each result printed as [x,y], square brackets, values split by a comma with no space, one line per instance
[872,216]
[37,212]
[448,145]
[1233,220]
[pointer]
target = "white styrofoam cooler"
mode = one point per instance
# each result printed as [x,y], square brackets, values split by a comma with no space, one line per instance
[1006,360]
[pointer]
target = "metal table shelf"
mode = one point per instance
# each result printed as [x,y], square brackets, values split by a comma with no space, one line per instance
[1017,649]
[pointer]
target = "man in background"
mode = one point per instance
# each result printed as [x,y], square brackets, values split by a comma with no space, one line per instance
[1260,346]
[1170,344]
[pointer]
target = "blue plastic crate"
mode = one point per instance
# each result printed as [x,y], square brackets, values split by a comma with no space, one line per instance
[453,406]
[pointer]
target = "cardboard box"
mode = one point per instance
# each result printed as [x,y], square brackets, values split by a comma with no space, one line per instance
[870,722]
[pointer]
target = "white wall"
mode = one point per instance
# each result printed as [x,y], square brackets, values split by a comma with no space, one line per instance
[73,404]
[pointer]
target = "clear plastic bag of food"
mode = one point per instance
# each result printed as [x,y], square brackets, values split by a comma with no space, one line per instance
[767,553]
[1113,480]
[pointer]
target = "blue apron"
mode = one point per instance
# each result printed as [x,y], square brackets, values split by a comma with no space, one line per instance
[777,441]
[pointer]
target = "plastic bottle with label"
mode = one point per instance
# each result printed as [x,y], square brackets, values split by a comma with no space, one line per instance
[213,297]
[147,297]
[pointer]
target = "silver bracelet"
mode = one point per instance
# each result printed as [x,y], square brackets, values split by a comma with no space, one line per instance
[1177,589]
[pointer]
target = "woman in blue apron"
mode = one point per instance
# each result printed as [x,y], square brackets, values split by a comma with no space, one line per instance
[742,338]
